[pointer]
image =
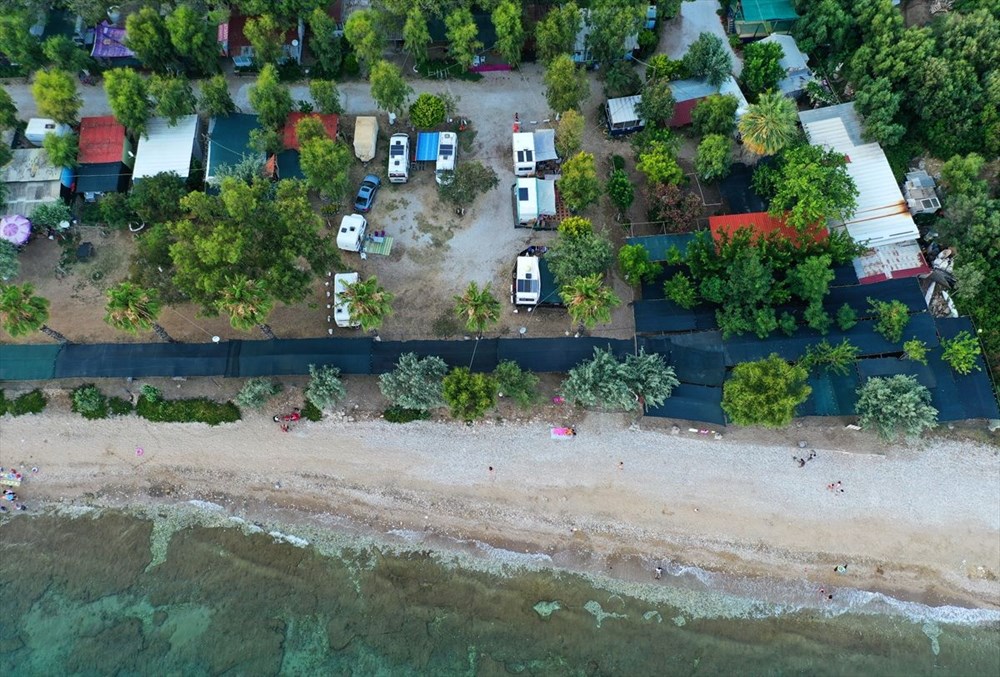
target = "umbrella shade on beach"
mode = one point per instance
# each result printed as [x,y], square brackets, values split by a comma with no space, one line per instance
[15,229]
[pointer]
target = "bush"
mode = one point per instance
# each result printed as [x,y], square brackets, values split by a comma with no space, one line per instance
[468,395]
[575,226]
[414,383]
[516,383]
[895,404]
[311,413]
[119,407]
[401,415]
[681,291]
[256,392]
[325,387]
[838,359]
[89,402]
[714,157]
[640,381]
[196,410]
[915,350]
[765,392]
[633,259]
[28,403]
[846,317]
[961,352]
[891,318]
[427,111]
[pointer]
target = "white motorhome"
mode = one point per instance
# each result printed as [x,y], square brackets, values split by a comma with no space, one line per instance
[399,158]
[352,231]
[527,282]
[341,309]
[524,153]
[447,149]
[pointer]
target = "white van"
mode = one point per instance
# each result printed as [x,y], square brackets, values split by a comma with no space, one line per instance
[447,150]
[399,158]
[341,309]
[352,231]
[524,153]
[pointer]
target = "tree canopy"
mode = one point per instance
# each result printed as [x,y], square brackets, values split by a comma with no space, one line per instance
[56,95]
[894,405]
[640,381]
[566,86]
[270,98]
[462,33]
[709,58]
[578,184]
[765,392]
[389,90]
[556,33]
[128,96]
[812,186]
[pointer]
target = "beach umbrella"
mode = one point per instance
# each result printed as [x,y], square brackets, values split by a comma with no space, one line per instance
[15,229]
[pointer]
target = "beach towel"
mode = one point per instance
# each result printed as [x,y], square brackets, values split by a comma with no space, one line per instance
[562,433]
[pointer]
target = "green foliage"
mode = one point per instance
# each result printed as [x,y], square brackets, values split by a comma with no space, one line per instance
[128,97]
[311,413]
[18,44]
[369,301]
[468,395]
[195,38]
[678,210]
[56,95]
[89,402]
[215,100]
[326,165]
[151,393]
[915,350]
[578,184]
[556,33]
[846,317]
[575,226]
[681,291]
[787,324]
[569,133]
[157,199]
[961,352]
[769,125]
[415,383]
[402,415]
[427,111]
[765,392]
[416,36]
[325,388]
[246,302]
[131,308]
[824,25]
[812,186]
[256,392]
[10,263]
[461,32]
[388,88]
[467,182]
[324,43]
[146,34]
[816,317]
[810,279]
[709,58]
[960,174]
[61,52]
[326,96]
[174,97]
[662,67]
[8,112]
[761,70]
[195,410]
[270,98]
[659,164]
[62,150]
[50,215]
[479,308]
[510,32]
[620,190]
[581,256]
[640,381]
[516,383]
[362,30]
[29,403]
[265,141]
[119,407]
[612,23]
[891,318]
[588,300]
[266,35]
[894,405]
[633,259]
[879,105]
[656,104]
[620,79]
[566,86]
[839,358]
[715,114]
[714,157]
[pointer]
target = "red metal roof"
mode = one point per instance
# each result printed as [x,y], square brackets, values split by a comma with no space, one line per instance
[762,223]
[102,140]
[233,32]
[291,141]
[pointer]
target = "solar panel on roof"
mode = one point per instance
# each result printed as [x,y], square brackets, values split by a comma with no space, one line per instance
[446,149]
[528,286]
[396,150]
[522,194]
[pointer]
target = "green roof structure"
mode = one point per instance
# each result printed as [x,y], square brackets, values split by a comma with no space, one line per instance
[229,141]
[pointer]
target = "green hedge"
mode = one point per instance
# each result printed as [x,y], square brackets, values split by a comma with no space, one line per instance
[197,409]
[28,403]
[403,415]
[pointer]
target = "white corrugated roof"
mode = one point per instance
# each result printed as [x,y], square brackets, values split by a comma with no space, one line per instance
[166,149]
[730,86]
[795,64]
[622,109]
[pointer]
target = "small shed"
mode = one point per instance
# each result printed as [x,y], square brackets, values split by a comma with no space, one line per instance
[31,181]
[105,157]
[795,64]
[535,199]
[365,137]
[759,18]
[622,116]
[229,142]
[166,148]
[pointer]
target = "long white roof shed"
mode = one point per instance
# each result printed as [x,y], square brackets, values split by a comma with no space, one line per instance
[882,216]
[166,149]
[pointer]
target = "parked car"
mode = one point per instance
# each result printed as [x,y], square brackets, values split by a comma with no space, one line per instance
[366,194]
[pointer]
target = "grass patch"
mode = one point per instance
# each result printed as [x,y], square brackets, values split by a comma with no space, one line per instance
[440,69]
[402,415]
[310,412]
[28,403]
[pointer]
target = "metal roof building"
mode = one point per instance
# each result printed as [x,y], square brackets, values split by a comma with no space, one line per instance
[229,142]
[31,180]
[167,149]
[795,64]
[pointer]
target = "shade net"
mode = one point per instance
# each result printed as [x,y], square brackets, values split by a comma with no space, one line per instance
[832,395]
[293,356]
[480,356]
[696,365]
[692,403]
[558,354]
[110,360]
[28,362]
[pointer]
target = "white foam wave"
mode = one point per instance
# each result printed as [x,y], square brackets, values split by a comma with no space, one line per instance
[206,505]
[288,538]
[511,557]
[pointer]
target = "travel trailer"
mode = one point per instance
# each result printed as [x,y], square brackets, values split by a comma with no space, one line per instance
[399,158]
[447,149]
[341,309]
[351,235]
[524,153]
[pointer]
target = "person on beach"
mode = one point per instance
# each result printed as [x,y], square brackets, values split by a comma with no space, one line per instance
[659,573]
[840,569]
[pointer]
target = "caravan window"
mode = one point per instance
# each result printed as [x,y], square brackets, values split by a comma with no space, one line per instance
[522,194]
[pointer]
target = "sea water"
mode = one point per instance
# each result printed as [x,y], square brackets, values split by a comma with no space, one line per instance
[194,591]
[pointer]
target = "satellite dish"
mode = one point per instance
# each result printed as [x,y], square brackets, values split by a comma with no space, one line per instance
[216,339]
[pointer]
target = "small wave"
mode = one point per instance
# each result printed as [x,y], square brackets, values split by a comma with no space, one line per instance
[864,601]
[407,535]
[511,557]
[206,505]
[288,538]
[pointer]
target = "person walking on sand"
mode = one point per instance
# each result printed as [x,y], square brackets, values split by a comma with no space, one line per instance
[659,573]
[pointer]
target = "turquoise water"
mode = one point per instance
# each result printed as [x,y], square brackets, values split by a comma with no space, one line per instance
[109,593]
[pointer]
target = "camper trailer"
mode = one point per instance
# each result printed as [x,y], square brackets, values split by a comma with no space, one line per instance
[341,309]
[447,149]
[38,128]
[524,153]
[365,137]
[399,158]
[352,231]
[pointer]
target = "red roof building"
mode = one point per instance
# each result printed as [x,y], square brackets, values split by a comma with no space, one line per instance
[762,223]
[291,140]
[102,140]
[233,41]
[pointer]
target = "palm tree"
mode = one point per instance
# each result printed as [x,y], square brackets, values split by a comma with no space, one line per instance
[588,300]
[133,309]
[478,307]
[770,124]
[370,303]
[248,303]
[21,312]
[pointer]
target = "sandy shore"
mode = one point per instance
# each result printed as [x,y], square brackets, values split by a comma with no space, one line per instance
[917,523]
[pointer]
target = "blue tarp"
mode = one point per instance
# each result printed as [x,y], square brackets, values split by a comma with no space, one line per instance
[427,146]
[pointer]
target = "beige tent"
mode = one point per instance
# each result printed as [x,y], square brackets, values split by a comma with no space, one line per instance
[365,137]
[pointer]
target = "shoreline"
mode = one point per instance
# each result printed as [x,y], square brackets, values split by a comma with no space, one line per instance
[426,486]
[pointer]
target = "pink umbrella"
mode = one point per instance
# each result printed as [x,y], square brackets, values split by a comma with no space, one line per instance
[15,229]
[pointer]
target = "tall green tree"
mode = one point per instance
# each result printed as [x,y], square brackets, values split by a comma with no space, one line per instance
[270,98]
[325,43]
[463,43]
[215,99]
[362,30]
[173,95]
[56,95]
[388,88]
[510,32]
[132,309]
[583,255]
[128,97]
[479,308]
[709,58]
[565,85]
[880,105]
[370,303]
[194,38]
[894,405]
[641,380]
[714,157]
[469,180]
[656,103]
[826,25]
[326,164]
[21,312]
[247,303]
[620,190]
[8,111]
[18,44]
[62,150]
[810,279]
[589,301]
[569,133]
[769,125]
[416,35]
[613,22]
[556,33]
[813,186]
[765,392]
[146,34]
[715,114]
[659,163]
[61,52]
[578,184]
[415,383]
[761,70]
[267,37]
[326,96]
[427,111]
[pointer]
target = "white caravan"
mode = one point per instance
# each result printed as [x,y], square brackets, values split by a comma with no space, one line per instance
[447,149]
[341,309]
[399,158]
[352,231]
